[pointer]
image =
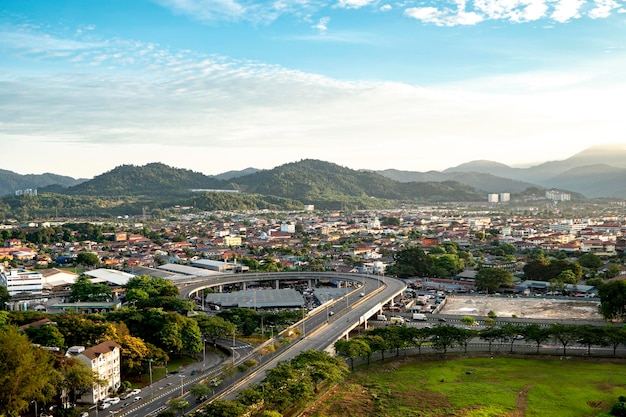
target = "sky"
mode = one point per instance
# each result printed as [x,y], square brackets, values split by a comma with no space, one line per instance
[221,85]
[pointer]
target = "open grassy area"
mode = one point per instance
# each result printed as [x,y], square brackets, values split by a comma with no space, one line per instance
[478,387]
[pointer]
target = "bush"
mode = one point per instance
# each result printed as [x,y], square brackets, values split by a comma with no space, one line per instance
[619,409]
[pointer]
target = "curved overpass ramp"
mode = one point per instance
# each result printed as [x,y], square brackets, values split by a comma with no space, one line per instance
[354,309]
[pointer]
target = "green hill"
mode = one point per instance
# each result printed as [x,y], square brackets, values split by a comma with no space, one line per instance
[155,180]
[133,190]
[317,181]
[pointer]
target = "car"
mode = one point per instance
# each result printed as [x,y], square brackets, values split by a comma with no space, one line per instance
[137,399]
[125,405]
[135,391]
[442,319]
[114,400]
[127,395]
[84,414]
[194,372]
[104,406]
[362,294]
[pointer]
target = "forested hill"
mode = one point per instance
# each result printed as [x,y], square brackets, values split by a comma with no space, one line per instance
[307,181]
[314,181]
[155,179]
[10,181]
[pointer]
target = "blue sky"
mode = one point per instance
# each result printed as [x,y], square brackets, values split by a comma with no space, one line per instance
[223,85]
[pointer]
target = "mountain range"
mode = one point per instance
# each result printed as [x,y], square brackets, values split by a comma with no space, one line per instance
[599,171]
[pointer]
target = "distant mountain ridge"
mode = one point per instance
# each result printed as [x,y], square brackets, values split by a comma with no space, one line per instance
[599,171]
[10,182]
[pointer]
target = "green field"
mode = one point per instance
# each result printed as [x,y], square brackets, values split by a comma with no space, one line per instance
[478,387]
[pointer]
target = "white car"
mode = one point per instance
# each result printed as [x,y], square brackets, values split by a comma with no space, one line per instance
[135,391]
[84,414]
[114,400]
[104,406]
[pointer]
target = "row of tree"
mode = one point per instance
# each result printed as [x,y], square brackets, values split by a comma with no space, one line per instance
[287,386]
[444,337]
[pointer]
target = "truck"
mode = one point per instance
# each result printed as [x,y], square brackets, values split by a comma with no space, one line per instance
[419,316]
[397,320]
[381,317]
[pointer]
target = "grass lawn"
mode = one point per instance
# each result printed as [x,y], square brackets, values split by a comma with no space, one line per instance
[478,387]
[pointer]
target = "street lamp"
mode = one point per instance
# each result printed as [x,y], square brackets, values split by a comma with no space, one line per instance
[151,388]
[35,401]
[233,346]
[182,387]
[203,351]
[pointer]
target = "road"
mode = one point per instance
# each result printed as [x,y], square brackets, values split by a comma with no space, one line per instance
[320,330]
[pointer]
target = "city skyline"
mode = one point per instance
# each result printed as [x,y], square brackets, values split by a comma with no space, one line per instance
[214,86]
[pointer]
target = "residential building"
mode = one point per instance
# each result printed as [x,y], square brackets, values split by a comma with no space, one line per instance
[104,361]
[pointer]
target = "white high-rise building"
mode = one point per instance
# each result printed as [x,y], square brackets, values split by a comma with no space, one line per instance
[493,198]
[505,197]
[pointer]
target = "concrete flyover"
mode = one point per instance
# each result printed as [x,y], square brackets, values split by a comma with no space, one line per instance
[369,294]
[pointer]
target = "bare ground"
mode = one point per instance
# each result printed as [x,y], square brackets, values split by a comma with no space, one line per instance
[531,308]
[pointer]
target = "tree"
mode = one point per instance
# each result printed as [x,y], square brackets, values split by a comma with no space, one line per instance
[87,259]
[85,290]
[613,299]
[590,260]
[443,337]
[224,408]
[536,333]
[201,390]
[215,327]
[48,335]
[4,296]
[26,372]
[490,279]
[565,334]
[411,262]
[179,404]
[320,366]
[353,348]
[75,377]
[288,387]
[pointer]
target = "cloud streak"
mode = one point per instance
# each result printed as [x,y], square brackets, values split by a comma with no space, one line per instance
[445,13]
[117,95]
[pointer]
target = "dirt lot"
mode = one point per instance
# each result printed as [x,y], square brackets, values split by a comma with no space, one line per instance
[531,308]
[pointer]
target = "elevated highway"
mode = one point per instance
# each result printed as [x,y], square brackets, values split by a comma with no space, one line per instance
[369,294]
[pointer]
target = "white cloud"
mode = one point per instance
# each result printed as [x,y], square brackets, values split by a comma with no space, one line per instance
[353,4]
[566,10]
[513,10]
[603,9]
[322,24]
[183,109]
[445,17]
[385,7]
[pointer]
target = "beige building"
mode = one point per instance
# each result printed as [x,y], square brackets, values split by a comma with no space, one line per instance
[104,361]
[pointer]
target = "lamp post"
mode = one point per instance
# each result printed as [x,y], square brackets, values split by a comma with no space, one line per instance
[203,351]
[150,367]
[182,387]
[233,346]
[35,401]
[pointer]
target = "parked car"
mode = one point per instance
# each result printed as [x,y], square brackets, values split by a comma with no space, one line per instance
[135,391]
[114,400]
